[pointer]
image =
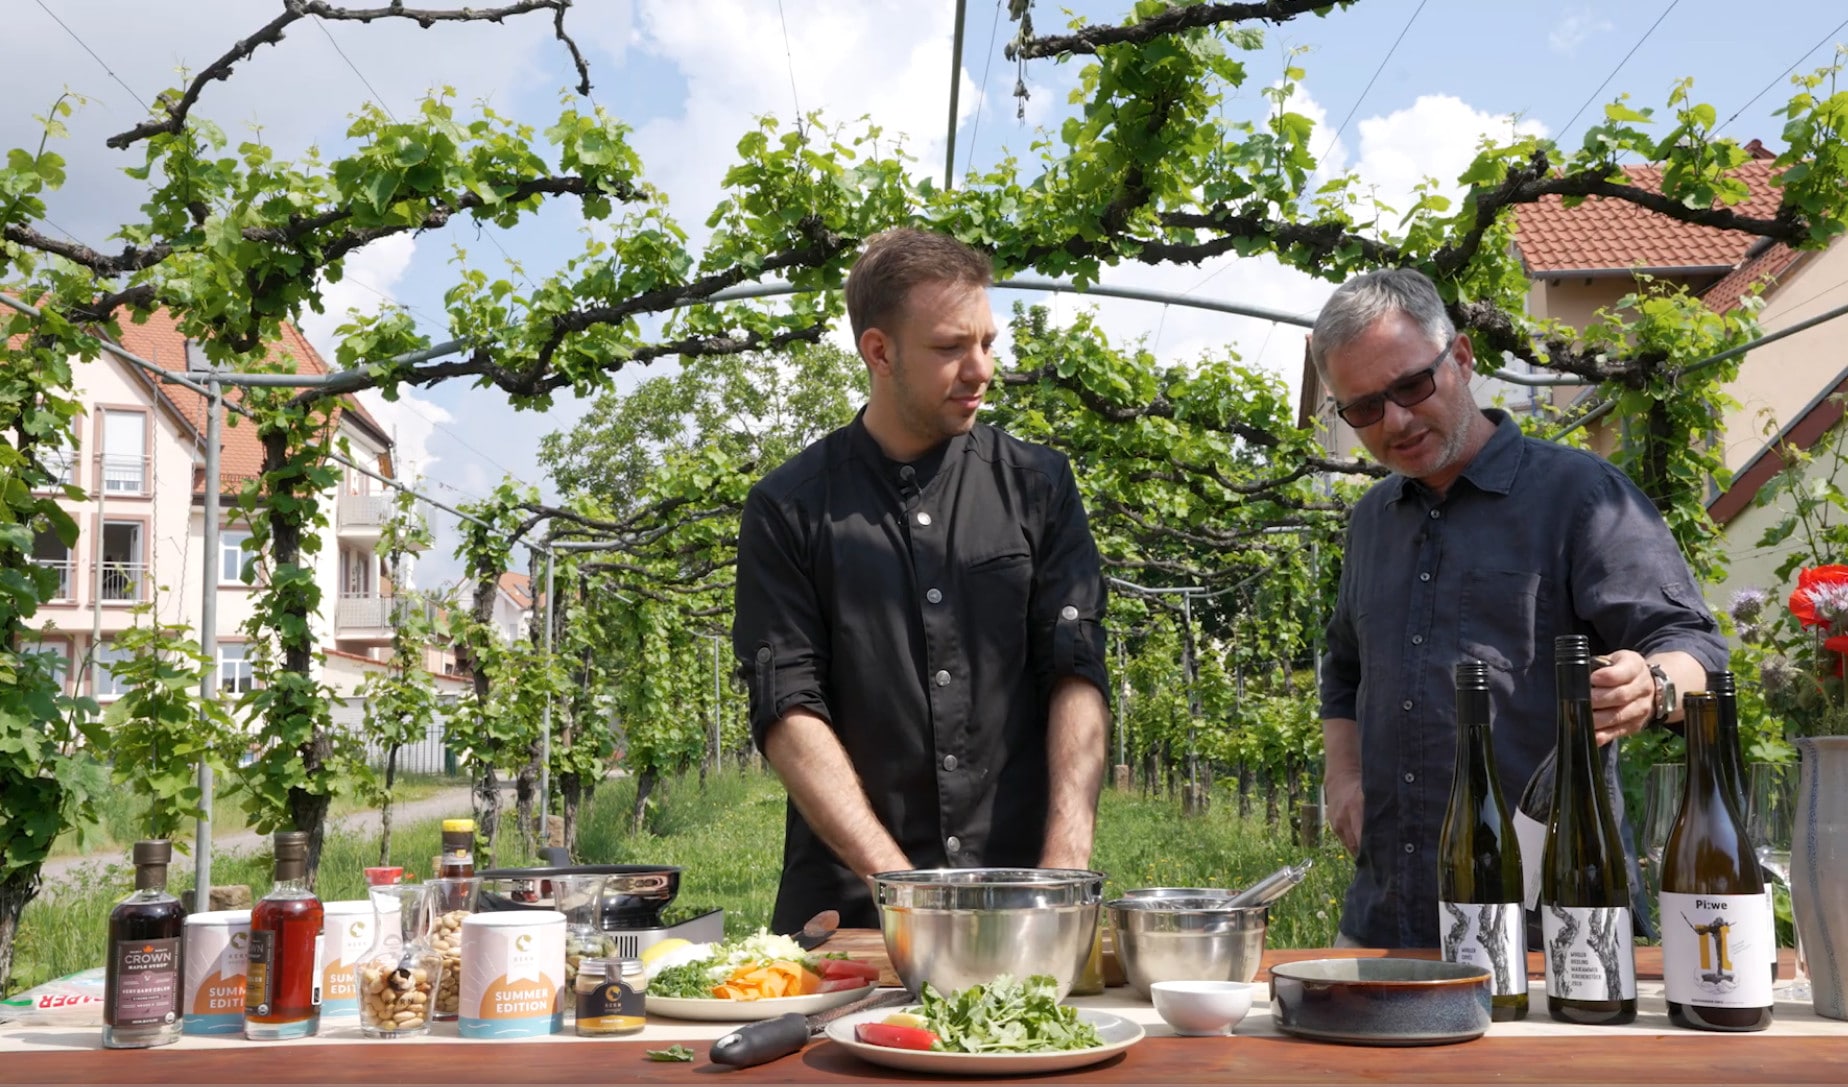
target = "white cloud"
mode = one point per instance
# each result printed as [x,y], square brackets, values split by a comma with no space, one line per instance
[887,59]
[1575,28]
[371,275]
[1437,137]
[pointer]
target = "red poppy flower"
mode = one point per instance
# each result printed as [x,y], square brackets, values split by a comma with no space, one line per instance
[1803,603]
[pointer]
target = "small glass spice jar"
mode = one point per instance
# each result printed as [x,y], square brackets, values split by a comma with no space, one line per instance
[612,997]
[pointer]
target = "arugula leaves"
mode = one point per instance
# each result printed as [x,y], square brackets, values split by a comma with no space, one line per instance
[1006,1016]
[671,1053]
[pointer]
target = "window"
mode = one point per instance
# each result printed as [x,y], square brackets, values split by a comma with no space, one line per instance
[50,552]
[58,658]
[124,576]
[107,686]
[236,566]
[61,459]
[356,573]
[125,452]
[235,675]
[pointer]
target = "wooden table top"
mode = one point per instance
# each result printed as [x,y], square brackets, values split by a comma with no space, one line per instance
[1613,1056]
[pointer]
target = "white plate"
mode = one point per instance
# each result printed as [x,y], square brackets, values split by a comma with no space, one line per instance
[743,1011]
[1117,1033]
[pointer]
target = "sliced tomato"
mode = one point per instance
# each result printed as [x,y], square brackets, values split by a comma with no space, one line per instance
[848,968]
[891,1037]
[835,985]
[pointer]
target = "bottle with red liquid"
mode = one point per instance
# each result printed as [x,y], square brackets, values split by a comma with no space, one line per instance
[282,992]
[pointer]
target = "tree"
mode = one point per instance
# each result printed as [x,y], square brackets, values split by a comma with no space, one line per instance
[1151,170]
[401,701]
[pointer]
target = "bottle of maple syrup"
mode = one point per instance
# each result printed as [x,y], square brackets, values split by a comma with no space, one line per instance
[141,1001]
[282,992]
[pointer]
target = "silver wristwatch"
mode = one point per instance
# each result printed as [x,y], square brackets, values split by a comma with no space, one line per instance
[1664,695]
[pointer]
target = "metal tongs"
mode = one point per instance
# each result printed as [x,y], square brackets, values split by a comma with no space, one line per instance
[1274,886]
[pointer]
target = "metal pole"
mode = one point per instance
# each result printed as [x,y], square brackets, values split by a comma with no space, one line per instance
[96,559]
[949,138]
[208,642]
[545,732]
[1193,700]
[1122,716]
[717,703]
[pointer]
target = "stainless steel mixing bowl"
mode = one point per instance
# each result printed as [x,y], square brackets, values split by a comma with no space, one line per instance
[1187,939]
[957,927]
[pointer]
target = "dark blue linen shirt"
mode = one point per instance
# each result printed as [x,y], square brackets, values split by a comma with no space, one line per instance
[1533,540]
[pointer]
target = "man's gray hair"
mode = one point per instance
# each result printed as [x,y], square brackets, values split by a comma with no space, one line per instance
[1363,300]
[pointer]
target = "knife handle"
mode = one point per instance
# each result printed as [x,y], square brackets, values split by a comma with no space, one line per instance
[762,1041]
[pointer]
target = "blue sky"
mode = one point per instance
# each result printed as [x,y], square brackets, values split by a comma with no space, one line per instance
[689,75]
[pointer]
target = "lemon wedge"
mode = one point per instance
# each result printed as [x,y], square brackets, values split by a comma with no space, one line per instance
[655,951]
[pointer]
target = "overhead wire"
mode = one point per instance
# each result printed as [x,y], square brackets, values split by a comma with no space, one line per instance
[1403,31]
[1345,121]
[789,59]
[981,102]
[1782,76]
[93,55]
[1593,96]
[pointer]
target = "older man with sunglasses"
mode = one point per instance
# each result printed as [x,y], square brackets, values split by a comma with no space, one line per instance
[1484,544]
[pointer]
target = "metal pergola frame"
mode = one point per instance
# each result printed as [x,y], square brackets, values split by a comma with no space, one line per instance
[211,386]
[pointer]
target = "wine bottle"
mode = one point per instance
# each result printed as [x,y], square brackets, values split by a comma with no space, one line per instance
[1585,886]
[282,983]
[1479,879]
[1714,945]
[1725,691]
[141,991]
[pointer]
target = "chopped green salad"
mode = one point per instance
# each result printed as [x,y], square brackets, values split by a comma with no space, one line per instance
[1005,1016]
[698,977]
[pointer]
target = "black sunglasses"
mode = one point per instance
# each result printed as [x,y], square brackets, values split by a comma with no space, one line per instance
[1413,388]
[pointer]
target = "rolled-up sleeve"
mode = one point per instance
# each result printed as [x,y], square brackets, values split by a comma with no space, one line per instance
[1066,615]
[778,635]
[1340,684]
[1630,581]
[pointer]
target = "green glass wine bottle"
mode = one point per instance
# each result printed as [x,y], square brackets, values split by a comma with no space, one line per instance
[1479,909]
[1715,949]
[1585,887]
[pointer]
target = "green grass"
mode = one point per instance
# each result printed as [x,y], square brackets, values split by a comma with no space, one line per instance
[727,836]
[120,816]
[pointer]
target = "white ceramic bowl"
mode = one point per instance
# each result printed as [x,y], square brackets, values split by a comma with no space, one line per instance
[1201,1008]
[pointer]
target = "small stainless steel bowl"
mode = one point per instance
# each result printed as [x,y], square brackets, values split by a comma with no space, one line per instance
[1177,892]
[1187,939]
[957,927]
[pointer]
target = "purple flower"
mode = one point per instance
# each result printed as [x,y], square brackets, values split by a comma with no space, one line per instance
[1747,605]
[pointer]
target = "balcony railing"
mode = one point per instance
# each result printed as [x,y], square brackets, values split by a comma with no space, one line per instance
[64,568]
[360,612]
[365,510]
[124,582]
[124,473]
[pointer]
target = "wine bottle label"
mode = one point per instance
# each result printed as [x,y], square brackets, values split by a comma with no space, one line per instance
[1715,950]
[320,943]
[1492,935]
[260,973]
[1589,953]
[147,983]
[1531,834]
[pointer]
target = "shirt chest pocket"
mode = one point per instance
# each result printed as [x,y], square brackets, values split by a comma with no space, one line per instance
[1500,616]
[998,585]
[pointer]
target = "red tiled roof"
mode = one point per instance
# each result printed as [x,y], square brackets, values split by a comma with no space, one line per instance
[518,587]
[159,340]
[1603,234]
[1759,273]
